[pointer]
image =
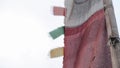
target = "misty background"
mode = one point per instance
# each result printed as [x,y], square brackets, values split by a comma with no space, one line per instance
[24,33]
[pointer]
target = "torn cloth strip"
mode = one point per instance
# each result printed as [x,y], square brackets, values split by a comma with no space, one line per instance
[59,11]
[86,44]
[57,32]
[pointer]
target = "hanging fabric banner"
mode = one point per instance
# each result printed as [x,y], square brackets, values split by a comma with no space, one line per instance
[86,35]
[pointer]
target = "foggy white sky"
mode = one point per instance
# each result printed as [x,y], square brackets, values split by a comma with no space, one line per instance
[24,27]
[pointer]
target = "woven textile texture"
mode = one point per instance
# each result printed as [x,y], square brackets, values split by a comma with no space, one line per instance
[86,44]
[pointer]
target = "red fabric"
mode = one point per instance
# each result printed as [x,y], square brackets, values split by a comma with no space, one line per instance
[85,45]
[59,11]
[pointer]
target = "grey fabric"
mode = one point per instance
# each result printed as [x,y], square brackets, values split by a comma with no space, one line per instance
[78,11]
[117,48]
[110,9]
[115,54]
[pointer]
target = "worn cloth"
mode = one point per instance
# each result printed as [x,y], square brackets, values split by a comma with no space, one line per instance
[86,44]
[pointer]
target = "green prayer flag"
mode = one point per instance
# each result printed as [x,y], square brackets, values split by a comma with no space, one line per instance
[57,32]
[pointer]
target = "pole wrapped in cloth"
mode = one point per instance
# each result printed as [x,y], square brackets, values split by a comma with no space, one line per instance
[86,35]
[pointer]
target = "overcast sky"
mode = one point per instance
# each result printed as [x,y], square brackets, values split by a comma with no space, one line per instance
[24,38]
